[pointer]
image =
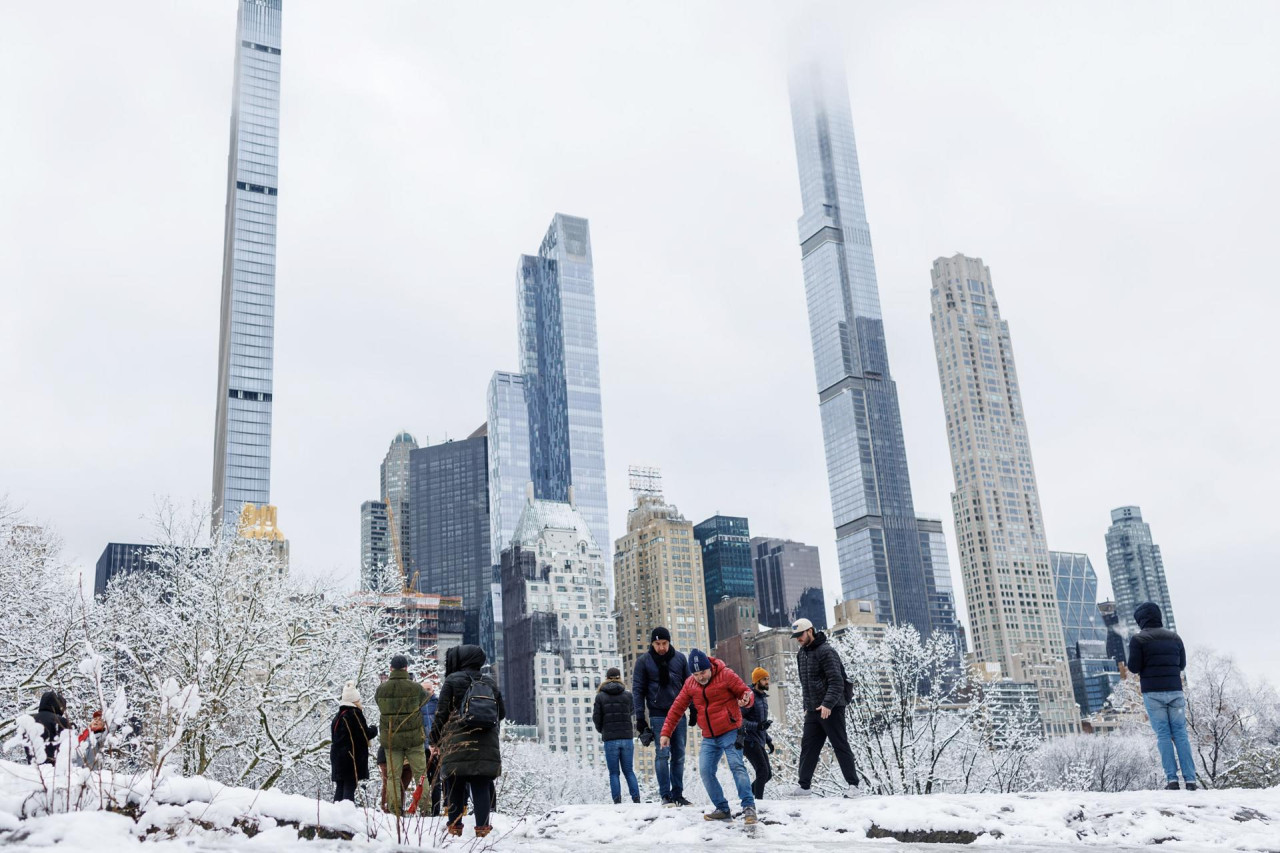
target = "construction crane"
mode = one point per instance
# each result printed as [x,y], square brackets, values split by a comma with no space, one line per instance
[405,589]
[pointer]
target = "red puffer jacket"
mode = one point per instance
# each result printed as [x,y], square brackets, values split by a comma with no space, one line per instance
[716,701]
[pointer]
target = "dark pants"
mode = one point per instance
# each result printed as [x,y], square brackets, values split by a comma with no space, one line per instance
[817,732]
[433,779]
[481,788]
[759,758]
[344,789]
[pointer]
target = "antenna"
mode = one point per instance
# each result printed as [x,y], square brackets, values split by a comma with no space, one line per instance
[644,480]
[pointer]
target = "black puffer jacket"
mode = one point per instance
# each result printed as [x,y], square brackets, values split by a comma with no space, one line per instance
[1156,653]
[755,720]
[464,752]
[50,715]
[612,713]
[821,674]
[650,697]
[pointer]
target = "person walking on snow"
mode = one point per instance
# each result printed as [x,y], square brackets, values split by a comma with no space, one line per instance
[612,718]
[349,744]
[822,689]
[717,694]
[400,700]
[1157,656]
[657,679]
[756,743]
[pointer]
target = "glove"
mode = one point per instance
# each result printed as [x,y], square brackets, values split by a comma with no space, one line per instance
[764,727]
[768,744]
[641,726]
[693,716]
[646,737]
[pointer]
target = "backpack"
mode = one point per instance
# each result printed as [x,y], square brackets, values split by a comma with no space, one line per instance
[479,710]
[848,685]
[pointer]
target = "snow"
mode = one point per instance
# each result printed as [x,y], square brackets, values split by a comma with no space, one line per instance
[197,814]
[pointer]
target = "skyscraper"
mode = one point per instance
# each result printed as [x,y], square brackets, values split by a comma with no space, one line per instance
[508,420]
[1008,582]
[1093,672]
[375,546]
[449,512]
[242,431]
[877,539]
[788,582]
[726,563]
[394,475]
[1136,567]
[559,358]
[942,600]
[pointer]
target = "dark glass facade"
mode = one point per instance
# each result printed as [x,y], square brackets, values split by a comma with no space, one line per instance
[118,558]
[726,562]
[449,524]
[1093,671]
[788,582]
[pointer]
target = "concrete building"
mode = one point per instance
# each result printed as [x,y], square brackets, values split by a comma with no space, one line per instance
[375,546]
[858,615]
[726,563]
[1004,558]
[788,582]
[736,626]
[1136,566]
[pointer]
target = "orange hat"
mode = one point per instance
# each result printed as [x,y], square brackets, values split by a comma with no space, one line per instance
[758,673]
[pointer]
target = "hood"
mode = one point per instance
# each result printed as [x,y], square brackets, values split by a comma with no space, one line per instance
[463,657]
[818,639]
[53,702]
[613,687]
[1148,615]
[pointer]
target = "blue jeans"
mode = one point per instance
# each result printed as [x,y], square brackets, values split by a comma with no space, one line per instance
[1167,711]
[619,754]
[709,760]
[669,762]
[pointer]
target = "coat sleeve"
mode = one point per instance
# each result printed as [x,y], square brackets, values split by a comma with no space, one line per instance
[677,710]
[1135,655]
[597,715]
[502,709]
[739,687]
[445,708]
[1182,655]
[640,689]
[833,675]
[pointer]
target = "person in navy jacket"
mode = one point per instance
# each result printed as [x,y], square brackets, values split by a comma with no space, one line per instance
[1157,657]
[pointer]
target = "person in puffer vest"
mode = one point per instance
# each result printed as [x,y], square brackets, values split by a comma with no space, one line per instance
[612,718]
[718,695]
[1157,657]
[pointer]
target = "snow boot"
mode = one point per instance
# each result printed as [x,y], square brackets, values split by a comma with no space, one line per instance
[482,831]
[718,814]
[1173,786]
[635,799]
[455,829]
[749,815]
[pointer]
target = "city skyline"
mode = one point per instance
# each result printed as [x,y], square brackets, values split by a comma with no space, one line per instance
[1082,404]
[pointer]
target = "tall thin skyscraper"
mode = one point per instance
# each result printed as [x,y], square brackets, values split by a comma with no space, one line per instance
[242,433]
[877,538]
[508,420]
[1008,583]
[394,477]
[560,361]
[376,557]
[1135,565]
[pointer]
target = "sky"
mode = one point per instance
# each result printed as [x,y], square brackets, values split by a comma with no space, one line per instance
[1113,164]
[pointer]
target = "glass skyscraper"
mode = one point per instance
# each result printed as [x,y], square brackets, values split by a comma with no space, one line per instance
[788,582]
[877,538]
[727,569]
[1136,567]
[376,557]
[1093,672]
[394,478]
[560,362]
[942,599]
[242,433]
[508,420]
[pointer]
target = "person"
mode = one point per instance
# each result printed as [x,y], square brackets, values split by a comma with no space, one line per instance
[718,695]
[757,746]
[1157,656]
[612,718]
[51,714]
[400,700]
[659,675]
[465,737]
[822,691]
[349,744]
[431,685]
[91,738]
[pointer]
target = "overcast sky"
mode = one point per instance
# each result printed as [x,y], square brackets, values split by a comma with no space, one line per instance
[1114,164]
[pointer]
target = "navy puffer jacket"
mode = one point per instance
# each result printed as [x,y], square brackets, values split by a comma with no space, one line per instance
[755,720]
[1156,654]
[651,697]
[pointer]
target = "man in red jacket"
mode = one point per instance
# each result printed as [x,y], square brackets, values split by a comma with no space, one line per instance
[717,693]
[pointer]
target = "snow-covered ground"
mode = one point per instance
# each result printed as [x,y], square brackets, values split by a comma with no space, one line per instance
[199,815]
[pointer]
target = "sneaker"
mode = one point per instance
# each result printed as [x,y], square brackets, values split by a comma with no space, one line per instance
[1191,786]
[797,791]
[749,815]
[482,831]
[635,799]
[668,803]
[852,792]
[718,814]
[679,800]
[617,800]
[1173,786]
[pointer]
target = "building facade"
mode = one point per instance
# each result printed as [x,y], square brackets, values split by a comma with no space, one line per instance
[393,475]
[1136,567]
[877,540]
[560,362]
[375,546]
[449,524]
[727,572]
[1093,671]
[558,627]
[508,419]
[1115,640]
[119,558]
[1008,582]
[788,582]
[242,430]
[942,599]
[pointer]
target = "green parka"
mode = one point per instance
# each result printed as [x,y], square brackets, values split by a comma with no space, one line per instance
[400,700]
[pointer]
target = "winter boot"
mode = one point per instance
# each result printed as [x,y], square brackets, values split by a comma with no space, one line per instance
[617,800]
[679,800]
[749,815]
[668,803]
[1191,786]
[482,831]
[455,829]
[635,799]
[1173,786]
[718,814]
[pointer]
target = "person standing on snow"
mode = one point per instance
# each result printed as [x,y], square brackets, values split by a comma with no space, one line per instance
[756,743]
[400,700]
[718,695]
[52,716]
[658,677]
[1157,656]
[822,688]
[612,718]
[465,737]
[349,744]
[431,685]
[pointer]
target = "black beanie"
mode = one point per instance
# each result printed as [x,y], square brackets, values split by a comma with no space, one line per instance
[399,662]
[660,633]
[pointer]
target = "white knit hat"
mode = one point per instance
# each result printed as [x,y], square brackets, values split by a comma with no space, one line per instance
[350,695]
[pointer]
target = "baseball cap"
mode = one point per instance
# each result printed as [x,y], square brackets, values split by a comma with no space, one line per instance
[799,626]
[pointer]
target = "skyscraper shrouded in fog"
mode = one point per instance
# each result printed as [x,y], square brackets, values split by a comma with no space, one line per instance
[877,536]
[1136,566]
[1008,582]
[242,433]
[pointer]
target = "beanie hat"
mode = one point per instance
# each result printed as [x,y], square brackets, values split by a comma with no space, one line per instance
[698,661]
[399,662]
[613,672]
[660,633]
[758,673]
[350,695]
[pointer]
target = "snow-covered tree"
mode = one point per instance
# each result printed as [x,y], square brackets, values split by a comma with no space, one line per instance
[1231,721]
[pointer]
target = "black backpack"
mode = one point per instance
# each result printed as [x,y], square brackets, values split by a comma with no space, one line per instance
[479,710]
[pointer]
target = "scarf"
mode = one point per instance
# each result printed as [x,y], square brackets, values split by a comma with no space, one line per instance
[664,665]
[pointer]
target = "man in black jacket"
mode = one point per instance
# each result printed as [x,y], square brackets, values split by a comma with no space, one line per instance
[612,718]
[756,743]
[658,677]
[822,691]
[1157,656]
